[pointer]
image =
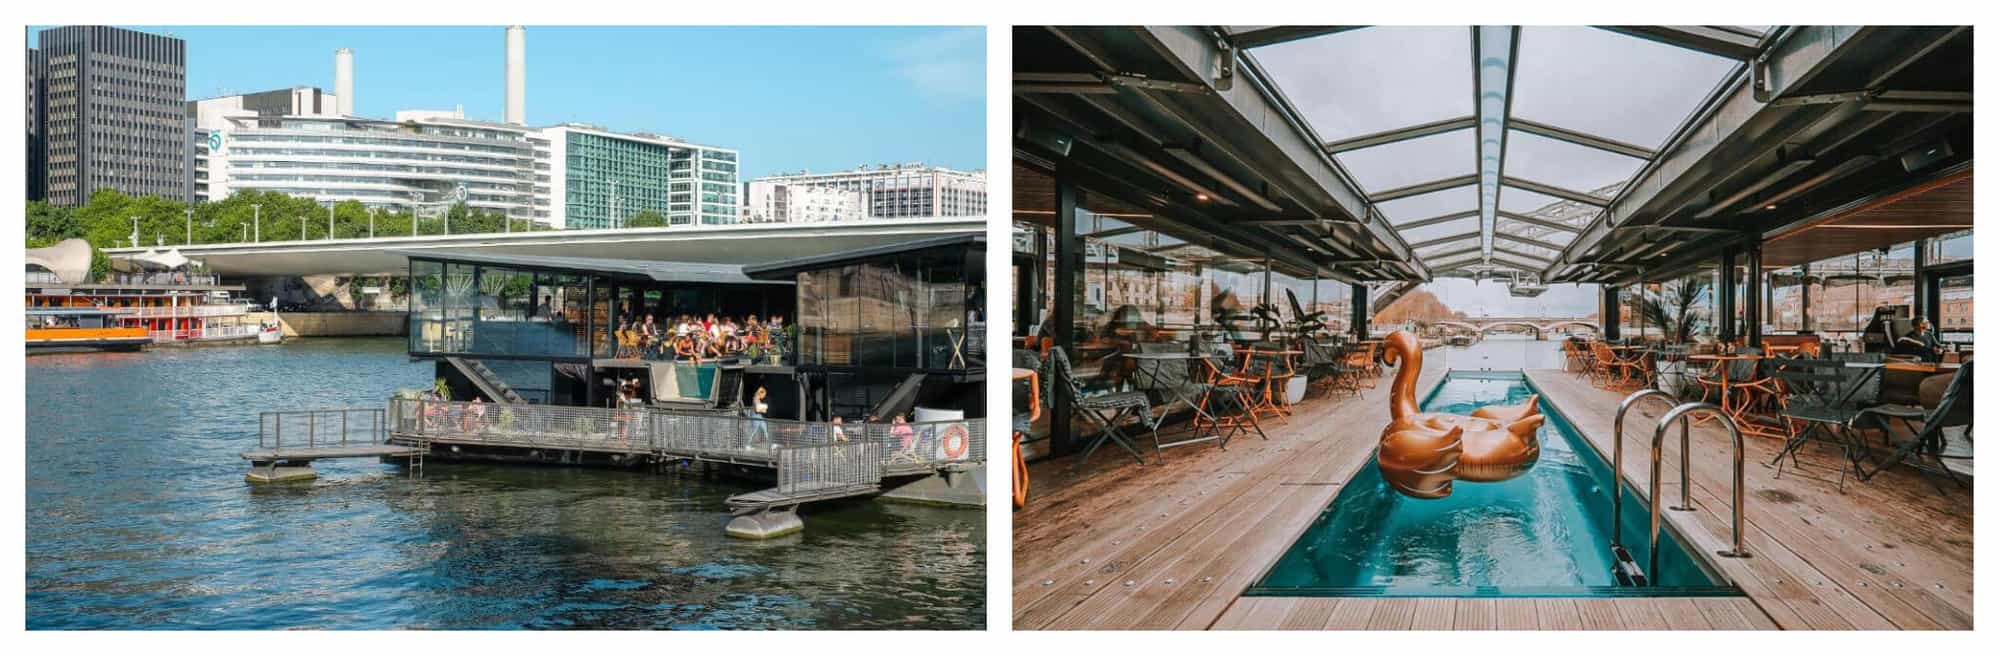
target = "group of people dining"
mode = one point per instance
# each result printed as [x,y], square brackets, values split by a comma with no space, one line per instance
[695,339]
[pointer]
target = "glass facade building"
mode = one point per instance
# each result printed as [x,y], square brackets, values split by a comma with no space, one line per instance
[589,178]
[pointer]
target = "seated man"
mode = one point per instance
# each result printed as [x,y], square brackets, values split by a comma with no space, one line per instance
[1921,342]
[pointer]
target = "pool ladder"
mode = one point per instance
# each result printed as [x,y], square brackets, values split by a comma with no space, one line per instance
[1627,567]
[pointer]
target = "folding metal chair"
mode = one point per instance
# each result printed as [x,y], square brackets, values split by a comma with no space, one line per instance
[1823,397]
[1106,411]
[1954,409]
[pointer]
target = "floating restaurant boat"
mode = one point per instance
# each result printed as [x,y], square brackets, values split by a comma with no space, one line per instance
[872,385]
[163,301]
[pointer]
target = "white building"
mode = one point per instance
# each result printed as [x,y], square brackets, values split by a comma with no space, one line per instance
[903,190]
[780,202]
[423,162]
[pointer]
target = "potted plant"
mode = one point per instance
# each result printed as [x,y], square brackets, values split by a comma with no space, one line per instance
[1677,310]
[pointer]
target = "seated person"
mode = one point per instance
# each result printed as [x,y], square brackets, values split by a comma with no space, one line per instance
[1921,342]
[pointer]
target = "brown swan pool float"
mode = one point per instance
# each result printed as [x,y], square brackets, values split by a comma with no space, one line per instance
[1423,453]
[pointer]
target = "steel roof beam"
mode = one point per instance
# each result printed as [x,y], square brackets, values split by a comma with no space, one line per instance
[1544,260]
[1424,188]
[1552,190]
[1720,41]
[1257,36]
[1447,218]
[1530,242]
[1581,138]
[1493,101]
[1544,223]
[1402,134]
[1445,239]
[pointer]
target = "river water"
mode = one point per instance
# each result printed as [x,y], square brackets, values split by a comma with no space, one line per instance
[139,518]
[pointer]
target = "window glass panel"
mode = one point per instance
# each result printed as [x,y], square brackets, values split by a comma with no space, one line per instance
[1583,169]
[1551,235]
[1950,248]
[1456,244]
[1415,161]
[1500,241]
[1586,79]
[1433,204]
[1428,232]
[1374,79]
[1542,206]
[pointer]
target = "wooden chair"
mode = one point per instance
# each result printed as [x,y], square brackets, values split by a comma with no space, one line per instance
[1612,371]
[1363,362]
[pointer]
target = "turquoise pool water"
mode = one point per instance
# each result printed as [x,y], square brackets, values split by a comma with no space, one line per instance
[1545,533]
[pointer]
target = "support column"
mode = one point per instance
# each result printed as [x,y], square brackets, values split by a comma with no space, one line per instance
[1068,252]
[1752,294]
[1609,312]
[1805,298]
[1358,319]
[1725,315]
[1925,300]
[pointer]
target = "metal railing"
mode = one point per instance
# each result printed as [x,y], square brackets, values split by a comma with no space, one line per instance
[205,333]
[1617,465]
[312,429]
[756,439]
[806,469]
[1680,414]
[207,310]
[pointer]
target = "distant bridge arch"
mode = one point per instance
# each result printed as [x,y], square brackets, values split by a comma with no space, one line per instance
[1539,329]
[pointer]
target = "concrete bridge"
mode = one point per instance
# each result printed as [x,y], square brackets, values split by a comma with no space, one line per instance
[745,243]
[1539,326]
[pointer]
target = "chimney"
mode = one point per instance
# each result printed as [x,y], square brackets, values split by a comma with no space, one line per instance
[343,82]
[517,75]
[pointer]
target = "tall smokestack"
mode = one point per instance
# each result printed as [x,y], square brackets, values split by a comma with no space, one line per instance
[343,82]
[517,75]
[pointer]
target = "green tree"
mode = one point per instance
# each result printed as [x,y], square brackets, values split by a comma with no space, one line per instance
[646,219]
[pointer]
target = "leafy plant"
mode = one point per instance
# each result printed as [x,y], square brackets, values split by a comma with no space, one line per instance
[1676,309]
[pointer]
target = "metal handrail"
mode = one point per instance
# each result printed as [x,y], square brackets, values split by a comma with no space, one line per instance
[1617,463]
[1679,413]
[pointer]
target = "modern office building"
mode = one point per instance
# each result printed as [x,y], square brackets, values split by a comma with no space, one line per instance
[588,177]
[780,202]
[37,167]
[423,161]
[114,102]
[903,190]
[267,105]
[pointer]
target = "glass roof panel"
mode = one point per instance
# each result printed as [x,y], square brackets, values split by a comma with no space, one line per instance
[1500,241]
[1414,161]
[1583,169]
[1433,204]
[1468,241]
[1428,232]
[1373,80]
[1542,206]
[1586,79]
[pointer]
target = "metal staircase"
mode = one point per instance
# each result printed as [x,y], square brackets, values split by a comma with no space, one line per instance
[486,380]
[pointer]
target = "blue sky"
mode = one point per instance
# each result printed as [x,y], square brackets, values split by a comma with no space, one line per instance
[789,98]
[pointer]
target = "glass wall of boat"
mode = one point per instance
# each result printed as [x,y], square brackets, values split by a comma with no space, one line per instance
[1197,342]
[1862,351]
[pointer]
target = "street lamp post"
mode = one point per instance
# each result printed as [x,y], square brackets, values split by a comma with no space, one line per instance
[246,233]
[371,220]
[135,232]
[301,227]
[190,226]
[329,220]
[257,219]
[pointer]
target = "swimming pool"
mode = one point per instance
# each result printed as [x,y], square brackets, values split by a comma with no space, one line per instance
[1543,534]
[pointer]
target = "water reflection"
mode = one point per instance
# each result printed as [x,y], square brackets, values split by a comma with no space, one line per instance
[138,518]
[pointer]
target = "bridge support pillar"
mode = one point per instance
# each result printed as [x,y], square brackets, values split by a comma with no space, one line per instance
[280,471]
[765,524]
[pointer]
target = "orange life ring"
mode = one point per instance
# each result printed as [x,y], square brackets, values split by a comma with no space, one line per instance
[956,441]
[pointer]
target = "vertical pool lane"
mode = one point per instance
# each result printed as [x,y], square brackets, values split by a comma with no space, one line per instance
[1544,534]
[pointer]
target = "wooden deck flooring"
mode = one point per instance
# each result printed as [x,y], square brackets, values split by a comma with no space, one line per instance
[1122,546]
